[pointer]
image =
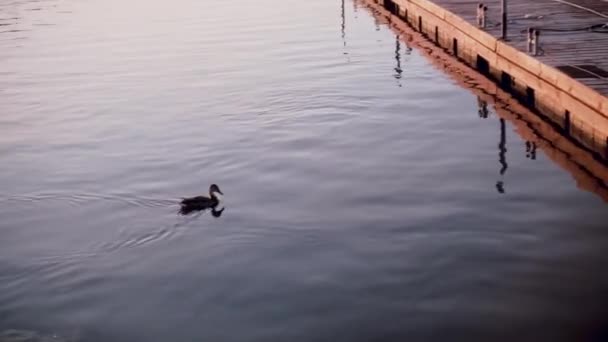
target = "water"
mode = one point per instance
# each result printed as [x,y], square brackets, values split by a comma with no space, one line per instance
[366,200]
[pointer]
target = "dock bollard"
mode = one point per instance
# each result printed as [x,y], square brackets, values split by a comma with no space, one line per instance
[482,11]
[530,39]
[533,41]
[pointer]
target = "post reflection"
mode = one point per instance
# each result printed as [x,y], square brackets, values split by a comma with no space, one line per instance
[343,25]
[398,70]
[482,108]
[531,150]
[215,212]
[502,159]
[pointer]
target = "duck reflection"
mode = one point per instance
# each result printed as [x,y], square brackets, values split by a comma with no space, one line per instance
[185,211]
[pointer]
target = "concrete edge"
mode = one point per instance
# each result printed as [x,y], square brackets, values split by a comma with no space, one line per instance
[583,93]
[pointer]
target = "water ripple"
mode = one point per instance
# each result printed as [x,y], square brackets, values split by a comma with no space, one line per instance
[84,198]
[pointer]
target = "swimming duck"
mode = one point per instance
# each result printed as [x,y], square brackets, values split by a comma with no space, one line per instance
[202,202]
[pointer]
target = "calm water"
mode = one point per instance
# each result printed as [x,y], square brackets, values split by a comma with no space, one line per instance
[366,200]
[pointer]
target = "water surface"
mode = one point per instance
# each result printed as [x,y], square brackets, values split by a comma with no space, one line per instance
[366,199]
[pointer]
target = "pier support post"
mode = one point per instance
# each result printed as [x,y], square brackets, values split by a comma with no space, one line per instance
[503,4]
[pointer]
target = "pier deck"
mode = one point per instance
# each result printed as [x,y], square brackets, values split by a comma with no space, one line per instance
[589,171]
[565,39]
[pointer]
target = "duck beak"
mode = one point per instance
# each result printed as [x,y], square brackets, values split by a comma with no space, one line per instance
[220,191]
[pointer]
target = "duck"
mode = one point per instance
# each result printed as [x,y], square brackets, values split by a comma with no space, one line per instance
[199,203]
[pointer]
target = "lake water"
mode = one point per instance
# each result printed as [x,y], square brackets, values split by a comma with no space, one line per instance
[365,198]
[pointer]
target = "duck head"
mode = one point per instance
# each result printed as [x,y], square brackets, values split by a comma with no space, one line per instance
[213,189]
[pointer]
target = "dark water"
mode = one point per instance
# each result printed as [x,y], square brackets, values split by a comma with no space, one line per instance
[366,200]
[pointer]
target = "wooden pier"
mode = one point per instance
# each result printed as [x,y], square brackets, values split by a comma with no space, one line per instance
[565,79]
[589,172]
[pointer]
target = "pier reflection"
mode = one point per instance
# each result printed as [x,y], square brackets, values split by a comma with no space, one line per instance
[587,167]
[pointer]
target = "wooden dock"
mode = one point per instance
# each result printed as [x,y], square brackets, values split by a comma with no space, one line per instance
[566,80]
[589,172]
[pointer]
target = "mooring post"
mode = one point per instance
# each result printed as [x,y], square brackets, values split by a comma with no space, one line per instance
[503,4]
[530,39]
[484,14]
[536,42]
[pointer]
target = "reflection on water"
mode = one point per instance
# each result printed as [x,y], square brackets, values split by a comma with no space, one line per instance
[33,336]
[502,156]
[398,70]
[343,24]
[482,108]
[189,210]
[584,165]
[531,150]
[19,17]
[359,211]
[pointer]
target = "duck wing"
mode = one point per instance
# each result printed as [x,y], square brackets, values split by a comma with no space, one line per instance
[198,200]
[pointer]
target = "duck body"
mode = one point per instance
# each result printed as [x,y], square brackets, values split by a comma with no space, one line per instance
[199,203]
